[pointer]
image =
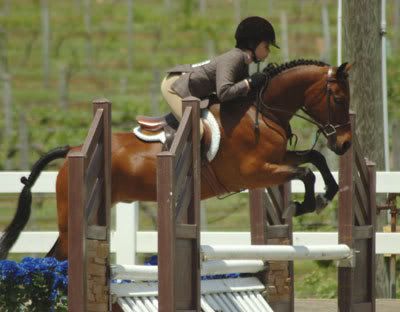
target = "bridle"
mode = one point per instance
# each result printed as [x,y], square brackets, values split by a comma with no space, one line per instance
[329,129]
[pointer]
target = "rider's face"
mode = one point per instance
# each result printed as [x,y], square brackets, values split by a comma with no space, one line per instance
[262,50]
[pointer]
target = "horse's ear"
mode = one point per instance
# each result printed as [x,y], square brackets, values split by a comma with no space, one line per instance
[348,67]
[342,68]
[342,71]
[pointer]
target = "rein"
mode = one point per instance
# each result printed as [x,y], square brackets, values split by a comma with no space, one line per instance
[328,130]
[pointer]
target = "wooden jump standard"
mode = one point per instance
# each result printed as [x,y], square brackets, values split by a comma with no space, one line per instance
[89,193]
[178,195]
[178,228]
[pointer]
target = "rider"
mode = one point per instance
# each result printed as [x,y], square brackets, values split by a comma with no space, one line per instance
[227,75]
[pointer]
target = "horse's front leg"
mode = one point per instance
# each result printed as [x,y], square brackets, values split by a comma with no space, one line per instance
[314,157]
[276,174]
[309,203]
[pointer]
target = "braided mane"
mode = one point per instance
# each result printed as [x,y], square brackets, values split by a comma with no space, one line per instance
[273,69]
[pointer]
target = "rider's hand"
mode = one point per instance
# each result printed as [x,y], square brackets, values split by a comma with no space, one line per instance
[257,80]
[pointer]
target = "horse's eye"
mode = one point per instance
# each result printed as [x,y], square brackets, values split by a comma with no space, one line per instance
[339,100]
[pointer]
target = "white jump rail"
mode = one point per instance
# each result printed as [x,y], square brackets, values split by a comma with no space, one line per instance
[242,259]
[211,267]
[126,240]
[275,252]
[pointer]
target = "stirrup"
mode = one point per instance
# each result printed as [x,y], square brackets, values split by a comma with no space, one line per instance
[152,124]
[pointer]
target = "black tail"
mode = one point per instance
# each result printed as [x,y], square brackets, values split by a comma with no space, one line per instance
[23,212]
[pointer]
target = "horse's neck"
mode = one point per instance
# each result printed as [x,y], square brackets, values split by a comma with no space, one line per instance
[287,91]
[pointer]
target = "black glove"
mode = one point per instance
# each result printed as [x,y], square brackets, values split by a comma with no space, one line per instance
[257,80]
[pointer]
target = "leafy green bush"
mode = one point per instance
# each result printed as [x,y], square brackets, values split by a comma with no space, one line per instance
[319,285]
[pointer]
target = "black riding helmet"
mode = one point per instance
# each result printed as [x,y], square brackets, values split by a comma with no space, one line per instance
[252,30]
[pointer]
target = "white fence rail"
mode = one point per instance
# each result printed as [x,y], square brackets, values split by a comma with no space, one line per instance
[126,240]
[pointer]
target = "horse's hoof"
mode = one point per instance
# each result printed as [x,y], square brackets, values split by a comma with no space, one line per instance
[290,210]
[320,203]
[331,191]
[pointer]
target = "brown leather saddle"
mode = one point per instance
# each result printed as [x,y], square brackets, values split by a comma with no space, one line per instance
[169,124]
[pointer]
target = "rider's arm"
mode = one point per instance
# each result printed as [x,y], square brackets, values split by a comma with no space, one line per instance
[229,70]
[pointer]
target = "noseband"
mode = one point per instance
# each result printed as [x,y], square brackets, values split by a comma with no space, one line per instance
[329,129]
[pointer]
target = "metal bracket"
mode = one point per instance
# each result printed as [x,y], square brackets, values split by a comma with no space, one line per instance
[203,257]
[389,205]
[349,262]
[113,299]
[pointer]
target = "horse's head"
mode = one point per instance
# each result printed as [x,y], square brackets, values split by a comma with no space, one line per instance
[328,103]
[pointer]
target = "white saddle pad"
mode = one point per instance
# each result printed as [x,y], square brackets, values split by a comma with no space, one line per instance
[205,114]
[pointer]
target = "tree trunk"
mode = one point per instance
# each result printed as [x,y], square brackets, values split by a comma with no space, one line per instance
[326,56]
[46,42]
[202,7]
[87,11]
[285,37]
[396,23]
[5,78]
[238,11]
[362,42]
[395,146]
[130,33]
[23,142]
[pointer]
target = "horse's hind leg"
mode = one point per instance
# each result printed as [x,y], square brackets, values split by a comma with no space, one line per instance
[60,248]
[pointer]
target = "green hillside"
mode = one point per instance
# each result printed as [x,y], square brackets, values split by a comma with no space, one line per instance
[92,46]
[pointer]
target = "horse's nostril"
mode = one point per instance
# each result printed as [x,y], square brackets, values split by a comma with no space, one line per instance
[346,145]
